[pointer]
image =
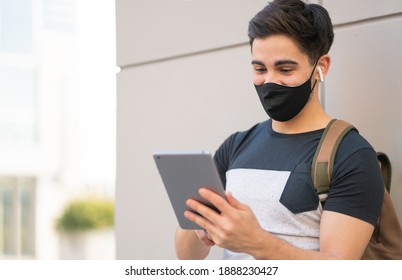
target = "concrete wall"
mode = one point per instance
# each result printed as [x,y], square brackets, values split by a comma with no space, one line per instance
[185,83]
[364,84]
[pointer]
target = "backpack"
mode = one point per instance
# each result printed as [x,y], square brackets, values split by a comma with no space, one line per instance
[386,240]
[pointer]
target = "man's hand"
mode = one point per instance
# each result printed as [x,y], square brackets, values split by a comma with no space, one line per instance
[204,237]
[235,228]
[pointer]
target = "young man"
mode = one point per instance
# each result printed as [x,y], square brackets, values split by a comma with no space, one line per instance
[271,210]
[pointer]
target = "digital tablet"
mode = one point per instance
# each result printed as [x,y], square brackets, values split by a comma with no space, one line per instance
[183,173]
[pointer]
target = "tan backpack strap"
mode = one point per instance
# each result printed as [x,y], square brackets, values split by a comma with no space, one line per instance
[323,161]
[386,169]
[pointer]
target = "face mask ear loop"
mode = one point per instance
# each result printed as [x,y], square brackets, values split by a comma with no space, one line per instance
[315,80]
[315,66]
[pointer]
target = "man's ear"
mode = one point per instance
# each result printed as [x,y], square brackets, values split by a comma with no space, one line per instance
[323,67]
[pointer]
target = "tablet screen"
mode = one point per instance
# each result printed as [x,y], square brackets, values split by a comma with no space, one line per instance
[183,173]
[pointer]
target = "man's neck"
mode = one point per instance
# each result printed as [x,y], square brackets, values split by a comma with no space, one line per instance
[304,122]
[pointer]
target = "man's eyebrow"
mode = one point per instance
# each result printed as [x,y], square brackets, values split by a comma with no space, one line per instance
[285,61]
[277,63]
[257,62]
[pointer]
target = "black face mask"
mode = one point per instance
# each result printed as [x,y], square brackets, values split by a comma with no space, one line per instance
[283,103]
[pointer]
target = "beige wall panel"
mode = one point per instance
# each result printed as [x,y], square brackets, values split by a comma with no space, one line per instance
[189,103]
[154,29]
[343,11]
[364,86]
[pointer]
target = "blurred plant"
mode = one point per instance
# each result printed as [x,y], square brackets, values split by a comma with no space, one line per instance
[86,214]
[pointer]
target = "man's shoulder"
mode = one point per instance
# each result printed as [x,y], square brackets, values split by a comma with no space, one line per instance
[353,141]
[352,145]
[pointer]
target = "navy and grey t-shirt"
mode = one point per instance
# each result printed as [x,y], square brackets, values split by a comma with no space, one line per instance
[270,172]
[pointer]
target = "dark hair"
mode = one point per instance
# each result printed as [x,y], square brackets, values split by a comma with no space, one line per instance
[309,25]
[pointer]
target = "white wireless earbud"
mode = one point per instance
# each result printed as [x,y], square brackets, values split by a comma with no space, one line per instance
[320,73]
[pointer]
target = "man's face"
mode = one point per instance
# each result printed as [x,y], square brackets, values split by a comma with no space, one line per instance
[277,59]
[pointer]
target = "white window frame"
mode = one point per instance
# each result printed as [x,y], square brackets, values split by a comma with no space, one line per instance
[16,183]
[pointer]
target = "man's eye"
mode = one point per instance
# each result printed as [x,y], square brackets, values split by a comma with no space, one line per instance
[286,70]
[260,70]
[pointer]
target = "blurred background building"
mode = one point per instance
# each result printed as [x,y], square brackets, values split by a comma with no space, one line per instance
[57,116]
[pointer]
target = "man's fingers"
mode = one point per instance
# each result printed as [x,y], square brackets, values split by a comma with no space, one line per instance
[234,202]
[215,199]
[204,237]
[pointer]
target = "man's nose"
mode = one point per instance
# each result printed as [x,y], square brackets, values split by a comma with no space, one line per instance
[270,77]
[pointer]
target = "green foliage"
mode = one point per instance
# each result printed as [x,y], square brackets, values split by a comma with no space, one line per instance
[86,214]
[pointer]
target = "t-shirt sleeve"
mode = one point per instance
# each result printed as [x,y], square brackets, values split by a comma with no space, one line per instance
[357,188]
[221,158]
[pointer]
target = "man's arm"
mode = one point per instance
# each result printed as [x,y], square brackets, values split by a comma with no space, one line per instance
[237,229]
[341,237]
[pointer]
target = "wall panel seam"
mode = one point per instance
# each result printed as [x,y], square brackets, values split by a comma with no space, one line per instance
[180,56]
[368,20]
